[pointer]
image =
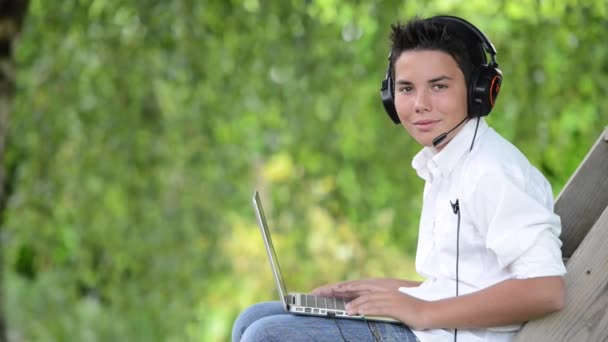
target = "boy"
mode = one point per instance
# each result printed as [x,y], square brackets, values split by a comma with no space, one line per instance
[488,245]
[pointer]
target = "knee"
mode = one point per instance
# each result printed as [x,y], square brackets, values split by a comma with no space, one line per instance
[239,326]
[242,323]
[260,330]
[251,315]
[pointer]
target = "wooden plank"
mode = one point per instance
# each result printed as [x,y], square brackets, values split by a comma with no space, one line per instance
[585,317]
[584,197]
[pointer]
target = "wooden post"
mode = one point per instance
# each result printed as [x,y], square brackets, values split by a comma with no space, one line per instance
[584,197]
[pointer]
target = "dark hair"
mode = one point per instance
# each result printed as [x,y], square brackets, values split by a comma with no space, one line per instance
[426,34]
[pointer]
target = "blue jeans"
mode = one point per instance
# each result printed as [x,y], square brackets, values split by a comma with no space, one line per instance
[269,322]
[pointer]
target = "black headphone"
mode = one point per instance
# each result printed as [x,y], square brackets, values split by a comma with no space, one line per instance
[486,78]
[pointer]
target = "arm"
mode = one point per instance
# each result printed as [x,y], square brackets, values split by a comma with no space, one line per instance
[508,302]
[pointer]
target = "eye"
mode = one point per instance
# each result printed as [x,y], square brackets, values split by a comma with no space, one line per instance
[406,89]
[440,86]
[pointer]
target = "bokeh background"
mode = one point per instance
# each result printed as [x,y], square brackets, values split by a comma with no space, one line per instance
[141,128]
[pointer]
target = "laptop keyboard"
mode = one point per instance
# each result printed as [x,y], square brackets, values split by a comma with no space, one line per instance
[322,302]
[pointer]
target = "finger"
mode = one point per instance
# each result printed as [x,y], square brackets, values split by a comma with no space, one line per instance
[324,293]
[316,291]
[363,288]
[328,290]
[343,294]
[347,289]
[370,304]
[353,306]
[322,290]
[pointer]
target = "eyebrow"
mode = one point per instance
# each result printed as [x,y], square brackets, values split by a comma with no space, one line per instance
[432,80]
[440,78]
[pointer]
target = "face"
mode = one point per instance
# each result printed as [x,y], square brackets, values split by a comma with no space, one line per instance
[430,94]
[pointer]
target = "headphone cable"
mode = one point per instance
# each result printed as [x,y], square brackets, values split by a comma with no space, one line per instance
[333,315]
[475,134]
[374,337]
[456,209]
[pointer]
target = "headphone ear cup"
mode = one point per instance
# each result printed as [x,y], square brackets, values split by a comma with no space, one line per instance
[387,92]
[483,90]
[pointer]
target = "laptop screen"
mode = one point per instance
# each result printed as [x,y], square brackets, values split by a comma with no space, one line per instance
[274,263]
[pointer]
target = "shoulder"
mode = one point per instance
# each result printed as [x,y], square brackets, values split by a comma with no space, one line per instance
[495,161]
[493,154]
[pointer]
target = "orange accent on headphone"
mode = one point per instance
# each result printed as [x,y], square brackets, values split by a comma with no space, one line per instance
[494,89]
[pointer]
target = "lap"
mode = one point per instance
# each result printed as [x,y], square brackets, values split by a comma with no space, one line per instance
[269,322]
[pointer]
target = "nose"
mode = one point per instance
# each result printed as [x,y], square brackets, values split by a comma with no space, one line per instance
[422,103]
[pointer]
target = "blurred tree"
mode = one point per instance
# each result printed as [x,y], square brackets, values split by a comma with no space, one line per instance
[12,13]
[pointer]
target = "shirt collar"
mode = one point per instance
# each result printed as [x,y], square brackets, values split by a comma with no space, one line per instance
[430,164]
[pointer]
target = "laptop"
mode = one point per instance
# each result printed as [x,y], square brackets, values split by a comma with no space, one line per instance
[302,303]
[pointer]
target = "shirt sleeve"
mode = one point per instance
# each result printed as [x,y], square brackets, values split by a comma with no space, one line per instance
[542,259]
[515,214]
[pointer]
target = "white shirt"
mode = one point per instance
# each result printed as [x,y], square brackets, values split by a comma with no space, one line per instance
[507,225]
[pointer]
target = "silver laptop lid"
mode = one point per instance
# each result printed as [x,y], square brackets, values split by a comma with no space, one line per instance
[274,263]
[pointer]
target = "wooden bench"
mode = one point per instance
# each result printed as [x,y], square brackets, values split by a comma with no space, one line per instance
[583,208]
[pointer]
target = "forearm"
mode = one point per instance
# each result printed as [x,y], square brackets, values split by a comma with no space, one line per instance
[509,302]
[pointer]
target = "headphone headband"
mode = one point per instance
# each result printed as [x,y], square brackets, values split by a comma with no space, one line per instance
[461,24]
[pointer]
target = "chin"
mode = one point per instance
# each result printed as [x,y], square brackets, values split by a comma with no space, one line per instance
[425,140]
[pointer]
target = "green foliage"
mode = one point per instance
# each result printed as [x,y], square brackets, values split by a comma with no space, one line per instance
[141,129]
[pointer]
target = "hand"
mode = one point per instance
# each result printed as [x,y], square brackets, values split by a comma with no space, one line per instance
[355,288]
[410,310]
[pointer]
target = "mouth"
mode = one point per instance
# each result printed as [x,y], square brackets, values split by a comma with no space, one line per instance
[426,125]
